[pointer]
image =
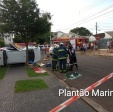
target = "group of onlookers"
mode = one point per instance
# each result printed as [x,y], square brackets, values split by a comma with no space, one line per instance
[96,46]
[83,47]
[60,56]
[92,46]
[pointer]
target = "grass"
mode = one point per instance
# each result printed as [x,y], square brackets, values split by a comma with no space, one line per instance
[32,73]
[29,85]
[3,71]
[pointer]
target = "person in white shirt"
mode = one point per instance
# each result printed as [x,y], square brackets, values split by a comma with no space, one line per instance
[84,47]
[108,46]
[92,46]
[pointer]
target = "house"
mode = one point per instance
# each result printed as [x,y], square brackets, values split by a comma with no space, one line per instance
[8,38]
[103,37]
[99,36]
[110,33]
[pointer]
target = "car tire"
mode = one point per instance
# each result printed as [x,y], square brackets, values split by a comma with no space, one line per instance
[4,58]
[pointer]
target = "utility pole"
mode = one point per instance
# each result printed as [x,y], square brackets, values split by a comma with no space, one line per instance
[96,27]
[50,39]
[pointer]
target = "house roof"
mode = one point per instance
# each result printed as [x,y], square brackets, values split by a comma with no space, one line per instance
[100,35]
[110,33]
[65,36]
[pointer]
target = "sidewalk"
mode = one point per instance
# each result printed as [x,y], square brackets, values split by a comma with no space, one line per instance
[102,52]
[34,101]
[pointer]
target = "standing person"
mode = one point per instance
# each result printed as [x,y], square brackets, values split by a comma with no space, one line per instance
[111,46]
[45,49]
[92,46]
[72,57]
[81,47]
[97,46]
[54,57]
[108,46]
[62,56]
[84,47]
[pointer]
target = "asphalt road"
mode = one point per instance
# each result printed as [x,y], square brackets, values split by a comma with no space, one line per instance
[92,69]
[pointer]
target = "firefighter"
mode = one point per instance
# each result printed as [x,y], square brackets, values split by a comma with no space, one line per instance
[62,56]
[72,57]
[54,57]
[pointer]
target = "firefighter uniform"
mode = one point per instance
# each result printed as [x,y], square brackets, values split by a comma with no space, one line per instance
[54,58]
[62,56]
[72,58]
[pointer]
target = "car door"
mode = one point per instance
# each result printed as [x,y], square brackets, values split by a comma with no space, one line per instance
[16,56]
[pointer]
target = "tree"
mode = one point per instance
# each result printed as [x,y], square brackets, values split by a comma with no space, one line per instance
[2,44]
[18,39]
[24,18]
[42,38]
[81,31]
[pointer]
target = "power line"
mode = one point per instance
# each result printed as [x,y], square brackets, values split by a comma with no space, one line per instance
[92,18]
[95,4]
[79,22]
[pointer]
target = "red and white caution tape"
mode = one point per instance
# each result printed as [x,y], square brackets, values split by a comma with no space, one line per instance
[74,98]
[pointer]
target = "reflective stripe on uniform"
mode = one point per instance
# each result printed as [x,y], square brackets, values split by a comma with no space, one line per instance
[64,70]
[75,63]
[61,71]
[62,58]
[61,50]
[55,59]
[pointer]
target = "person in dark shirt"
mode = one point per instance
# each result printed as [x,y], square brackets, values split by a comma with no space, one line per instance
[62,56]
[54,57]
[72,57]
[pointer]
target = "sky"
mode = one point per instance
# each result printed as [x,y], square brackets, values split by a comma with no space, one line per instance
[69,14]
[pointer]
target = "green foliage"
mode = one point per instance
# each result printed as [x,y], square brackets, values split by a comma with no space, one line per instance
[3,71]
[2,44]
[18,39]
[24,18]
[42,38]
[81,31]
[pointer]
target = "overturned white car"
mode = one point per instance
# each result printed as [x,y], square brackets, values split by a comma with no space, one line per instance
[13,55]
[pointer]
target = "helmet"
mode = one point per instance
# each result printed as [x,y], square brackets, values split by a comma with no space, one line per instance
[57,46]
[61,43]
